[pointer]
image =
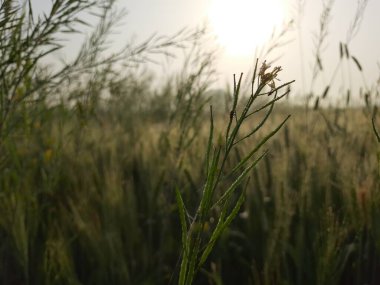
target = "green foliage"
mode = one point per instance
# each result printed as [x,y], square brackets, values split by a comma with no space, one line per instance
[107,180]
[197,248]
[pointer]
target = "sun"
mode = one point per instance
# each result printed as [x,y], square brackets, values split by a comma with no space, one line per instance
[241,25]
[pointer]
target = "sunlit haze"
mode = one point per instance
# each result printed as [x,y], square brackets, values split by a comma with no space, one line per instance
[241,28]
[241,25]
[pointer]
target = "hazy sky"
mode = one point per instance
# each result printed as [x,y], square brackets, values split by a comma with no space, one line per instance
[146,17]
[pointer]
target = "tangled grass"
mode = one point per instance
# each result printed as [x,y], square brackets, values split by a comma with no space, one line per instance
[148,186]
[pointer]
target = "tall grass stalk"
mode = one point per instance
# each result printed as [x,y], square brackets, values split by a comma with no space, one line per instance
[196,247]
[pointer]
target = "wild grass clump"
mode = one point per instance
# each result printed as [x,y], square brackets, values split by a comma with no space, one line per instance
[223,207]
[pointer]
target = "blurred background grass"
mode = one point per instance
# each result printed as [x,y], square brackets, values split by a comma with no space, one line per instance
[90,159]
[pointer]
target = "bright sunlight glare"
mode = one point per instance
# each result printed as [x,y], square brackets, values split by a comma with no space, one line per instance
[242,25]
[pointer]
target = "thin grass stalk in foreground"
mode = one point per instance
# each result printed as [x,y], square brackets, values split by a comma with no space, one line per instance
[377,135]
[196,247]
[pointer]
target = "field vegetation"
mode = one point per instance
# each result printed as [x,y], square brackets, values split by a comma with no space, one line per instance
[105,179]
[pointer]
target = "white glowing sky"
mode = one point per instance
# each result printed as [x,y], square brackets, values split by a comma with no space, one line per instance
[241,25]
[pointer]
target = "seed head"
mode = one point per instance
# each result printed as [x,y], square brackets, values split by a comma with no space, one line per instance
[267,78]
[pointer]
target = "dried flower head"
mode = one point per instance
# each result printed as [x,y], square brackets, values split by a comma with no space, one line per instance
[267,78]
[263,68]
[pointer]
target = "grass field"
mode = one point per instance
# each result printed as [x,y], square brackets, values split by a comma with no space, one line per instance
[106,180]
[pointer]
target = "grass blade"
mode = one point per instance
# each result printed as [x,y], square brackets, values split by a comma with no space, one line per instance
[221,226]
[185,244]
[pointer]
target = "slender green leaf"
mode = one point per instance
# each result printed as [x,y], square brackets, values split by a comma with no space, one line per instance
[221,226]
[185,245]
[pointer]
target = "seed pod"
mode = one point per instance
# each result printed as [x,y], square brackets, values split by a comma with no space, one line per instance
[366,99]
[374,127]
[357,63]
[346,50]
[326,91]
[319,63]
[341,50]
[316,104]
